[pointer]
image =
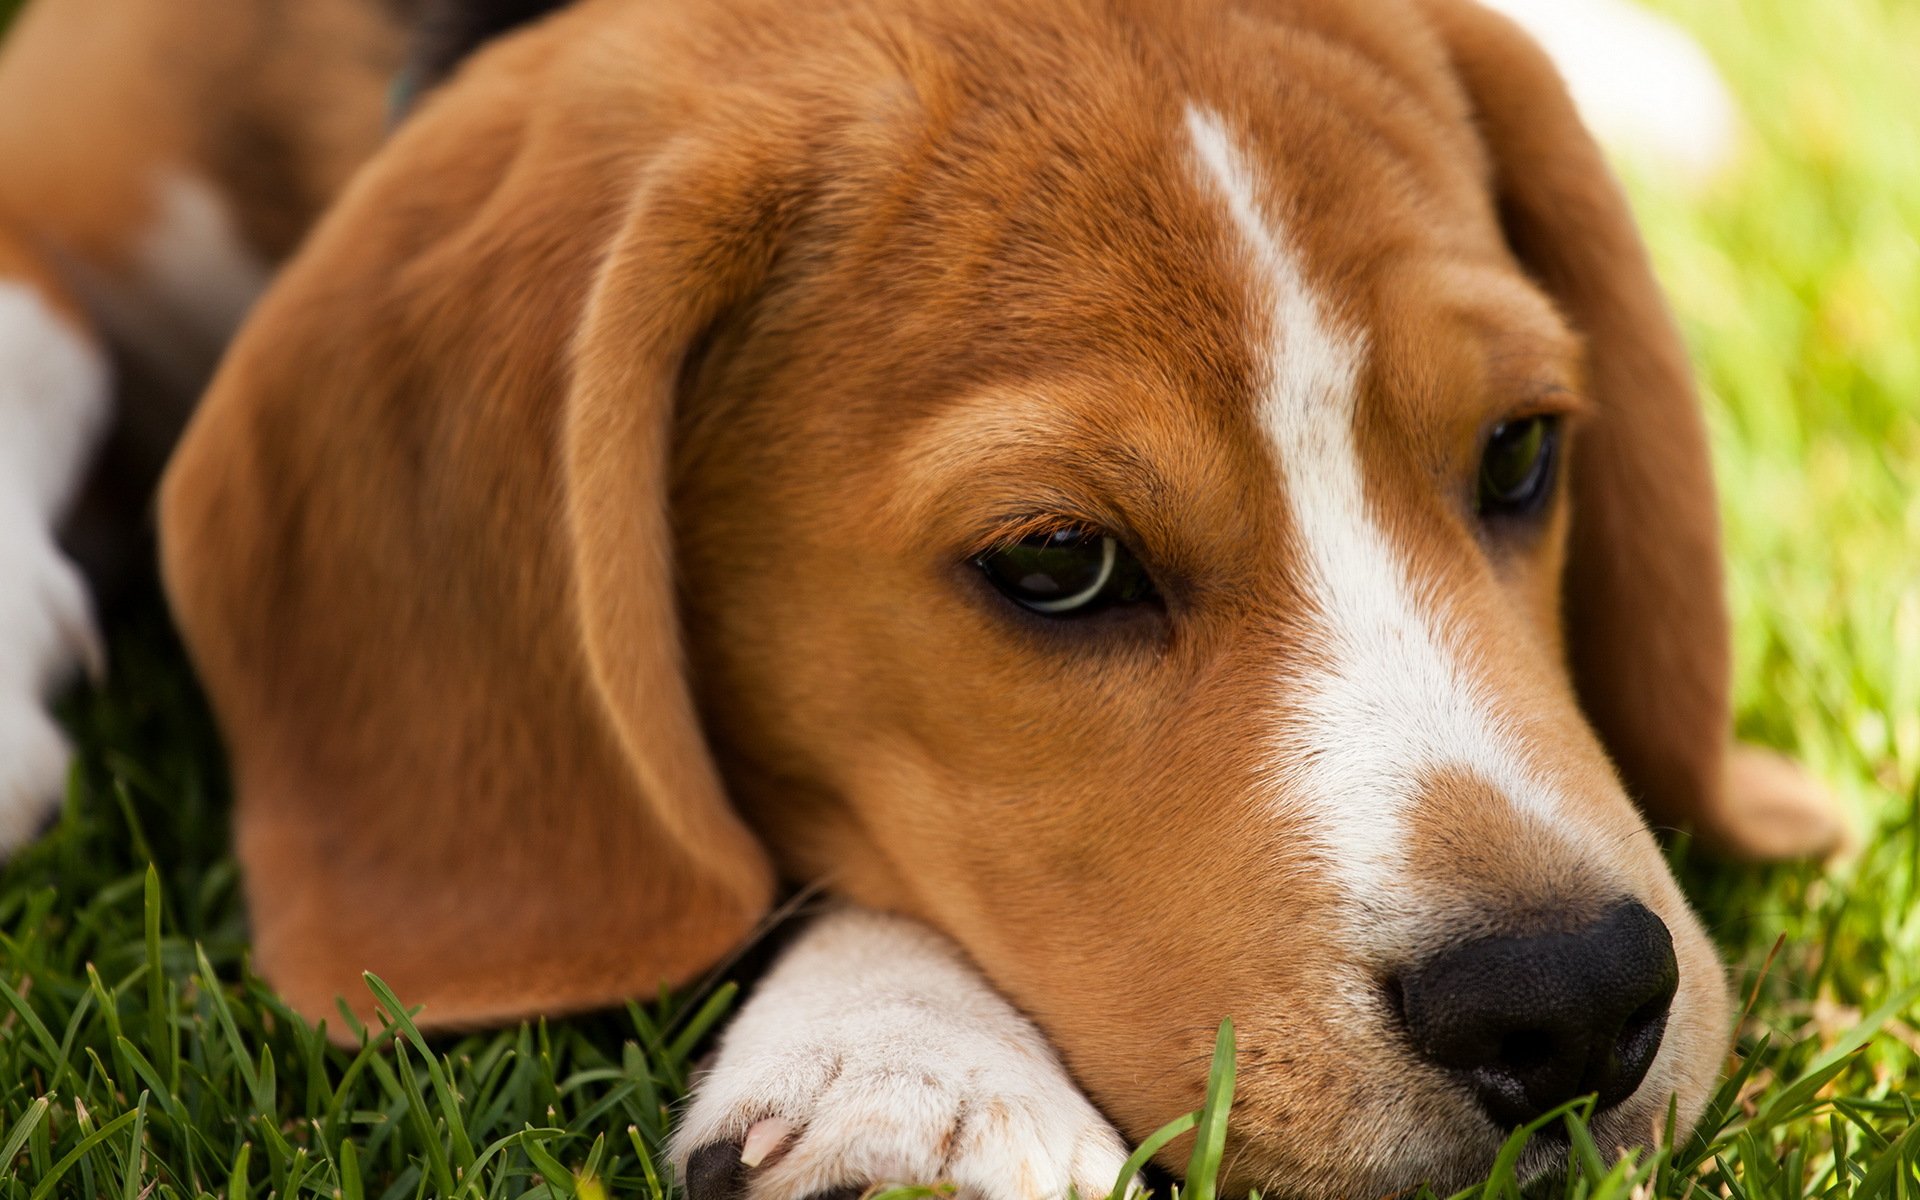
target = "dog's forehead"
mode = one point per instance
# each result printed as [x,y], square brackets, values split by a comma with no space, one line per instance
[1141,245]
[1062,212]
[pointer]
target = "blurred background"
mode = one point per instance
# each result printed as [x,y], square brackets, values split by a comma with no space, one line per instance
[1795,270]
[1796,275]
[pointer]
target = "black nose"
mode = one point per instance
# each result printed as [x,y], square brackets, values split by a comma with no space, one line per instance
[1530,1023]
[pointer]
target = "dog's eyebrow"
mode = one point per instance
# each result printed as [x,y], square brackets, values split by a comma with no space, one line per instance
[1539,369]
[1029,449]
[1535,394]
[1528,385]
[1525,354]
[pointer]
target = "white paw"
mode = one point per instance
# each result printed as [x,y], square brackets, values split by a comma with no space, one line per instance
[873,1055]
[33,772]
[47,636]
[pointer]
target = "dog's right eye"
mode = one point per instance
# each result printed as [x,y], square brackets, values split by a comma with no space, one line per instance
[1066,572]
[1517,467]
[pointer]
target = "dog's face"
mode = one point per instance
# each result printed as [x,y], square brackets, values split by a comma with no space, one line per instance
[1159,590]
[1164,513]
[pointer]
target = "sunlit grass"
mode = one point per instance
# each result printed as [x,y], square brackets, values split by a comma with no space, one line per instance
[138,1057]
[1797,278]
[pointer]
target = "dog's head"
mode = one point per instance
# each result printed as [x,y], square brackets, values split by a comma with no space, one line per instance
[1195,504]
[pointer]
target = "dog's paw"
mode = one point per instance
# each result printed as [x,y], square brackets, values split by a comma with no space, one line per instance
[874,1056]
[33,772]
[1773,810]
[47,635]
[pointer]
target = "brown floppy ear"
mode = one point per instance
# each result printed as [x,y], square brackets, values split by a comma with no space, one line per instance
[1644,607]
[422,560]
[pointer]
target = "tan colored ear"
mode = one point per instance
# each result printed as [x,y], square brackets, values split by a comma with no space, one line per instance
[423,567]
[1644,604]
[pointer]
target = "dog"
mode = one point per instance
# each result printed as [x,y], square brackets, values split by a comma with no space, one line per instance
[1165,511]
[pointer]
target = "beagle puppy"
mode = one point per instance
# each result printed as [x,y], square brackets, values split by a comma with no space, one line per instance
[1167,511]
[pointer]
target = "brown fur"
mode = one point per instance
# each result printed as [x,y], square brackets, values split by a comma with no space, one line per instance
[24,260]
[276,103]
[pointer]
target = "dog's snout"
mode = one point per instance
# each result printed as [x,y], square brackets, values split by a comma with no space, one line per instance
[1532,1022]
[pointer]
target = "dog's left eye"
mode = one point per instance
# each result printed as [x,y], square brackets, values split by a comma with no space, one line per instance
[1516,468]
[1066,572]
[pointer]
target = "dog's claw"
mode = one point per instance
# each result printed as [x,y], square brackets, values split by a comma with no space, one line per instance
[715,1172]
[764,1138]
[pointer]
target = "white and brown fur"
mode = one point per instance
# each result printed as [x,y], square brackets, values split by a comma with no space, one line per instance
[573,539]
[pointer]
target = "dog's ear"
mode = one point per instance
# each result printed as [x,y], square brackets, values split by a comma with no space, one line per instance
[421,556]
[1644,610]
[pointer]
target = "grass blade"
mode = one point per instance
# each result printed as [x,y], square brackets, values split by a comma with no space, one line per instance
[1143,1154]
[1209,1143]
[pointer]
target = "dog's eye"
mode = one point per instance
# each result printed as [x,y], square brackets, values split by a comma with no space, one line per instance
[1066,572]
[1516,468]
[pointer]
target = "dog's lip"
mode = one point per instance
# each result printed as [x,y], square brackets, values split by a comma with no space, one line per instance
[1456,1151]
[1447,1155]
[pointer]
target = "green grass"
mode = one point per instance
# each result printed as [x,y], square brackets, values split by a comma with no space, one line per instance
[139,1058]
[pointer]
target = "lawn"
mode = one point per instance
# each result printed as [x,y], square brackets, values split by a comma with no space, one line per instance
[139,1058]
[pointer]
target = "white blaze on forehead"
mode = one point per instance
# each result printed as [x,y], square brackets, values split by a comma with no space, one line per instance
[1384,700]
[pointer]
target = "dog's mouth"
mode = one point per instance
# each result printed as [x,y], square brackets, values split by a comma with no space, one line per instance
[1493,1038]
[1470,1153]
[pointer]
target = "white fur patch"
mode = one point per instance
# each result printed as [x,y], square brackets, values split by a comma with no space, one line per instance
[1391,700]
[1645,88]
[194,259]
[54,399]
[887,1059]
[192,281]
